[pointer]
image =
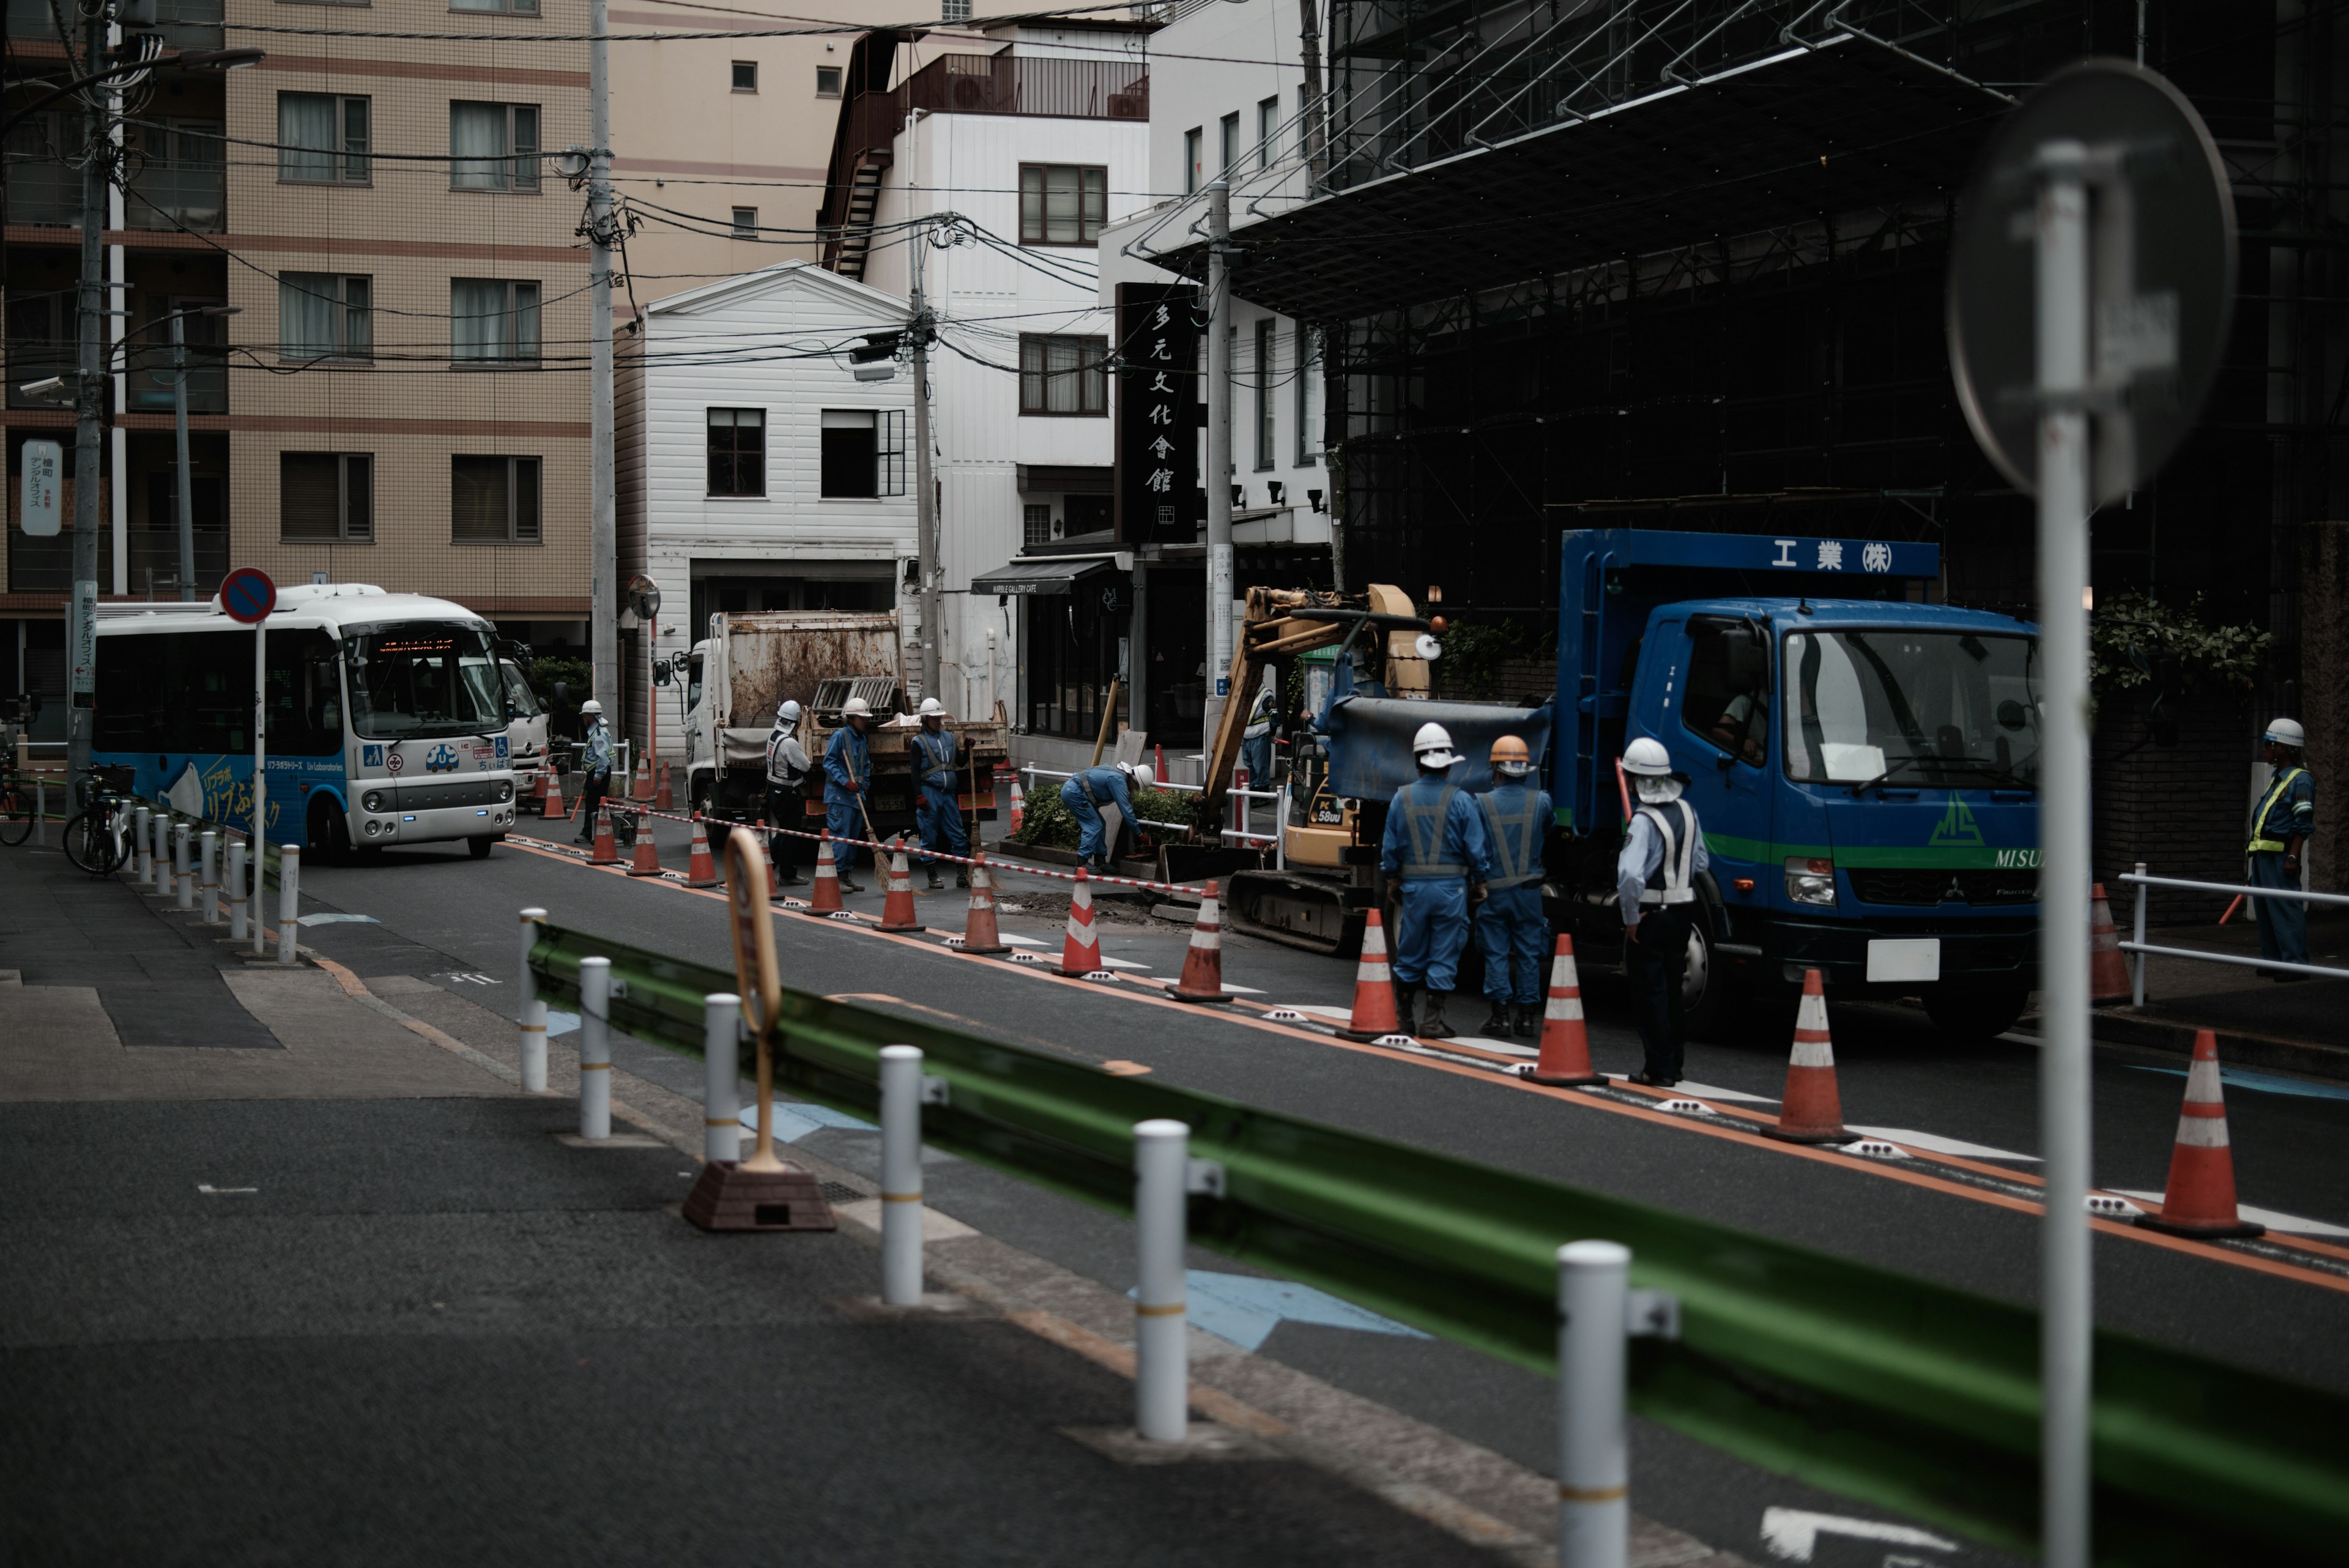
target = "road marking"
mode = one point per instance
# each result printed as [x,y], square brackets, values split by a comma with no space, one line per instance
[336,920]
[1793,1533]
[469,977]
[1121,964]
[2261,1083]
[1124,1069]
[561,1022]
[796,1119]
[209,1190]
[2271,1218]
[1935,1143]
[1246,1308]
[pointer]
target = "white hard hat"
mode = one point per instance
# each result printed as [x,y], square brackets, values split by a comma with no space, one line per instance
[789,713]
[933,709]
[592,706]
[1645,758]
[856,707]
[2288,732]
[1145,779]
[1432,746]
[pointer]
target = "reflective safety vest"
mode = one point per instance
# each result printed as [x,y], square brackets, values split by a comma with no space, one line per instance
[787,760]
[1517,839]
[2260,842]
[1670,883]
[1259,723]
[1423,828]
[937,756]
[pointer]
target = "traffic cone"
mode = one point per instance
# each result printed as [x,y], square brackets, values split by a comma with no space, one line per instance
[1812,1111]
[640,787]
[662,799]
[979,932]
[1158,768]
[1081,953]
[647,859]
[2108,976]
[1202,965]
[824,898]
[2200,1200]
[700,870]
[607,851]
[898,907]
[1019,804]
[1565,1060]
[552,807]
[774,888]
[1374,999]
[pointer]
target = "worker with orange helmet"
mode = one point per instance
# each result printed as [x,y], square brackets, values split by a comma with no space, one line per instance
[1512,932]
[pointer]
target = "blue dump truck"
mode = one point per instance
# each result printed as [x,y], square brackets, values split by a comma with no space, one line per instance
[1864,763]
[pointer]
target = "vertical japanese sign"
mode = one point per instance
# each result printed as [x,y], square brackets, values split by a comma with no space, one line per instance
[40,513]
[1159,415]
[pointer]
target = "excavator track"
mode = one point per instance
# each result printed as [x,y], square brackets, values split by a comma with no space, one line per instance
[1311,913]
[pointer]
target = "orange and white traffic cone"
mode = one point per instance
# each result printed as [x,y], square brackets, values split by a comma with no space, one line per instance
[2108,975]
[1565,1060]
[1374,999]
[700,870]
[1080,951]
[607,851]
[979,932]
[1202,965]
[774,888]
[552,807]
[1019,806]
[641,786]
[662,799]
[1812,1111]
[646,861]
[898,907]
[2200,1200]
[825,897]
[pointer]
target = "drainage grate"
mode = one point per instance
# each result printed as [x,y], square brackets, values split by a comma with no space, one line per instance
[835,1192]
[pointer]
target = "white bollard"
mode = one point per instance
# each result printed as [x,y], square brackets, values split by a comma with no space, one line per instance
[901,1175]
[721,1077]
[183,877]
[236,889]
[208,860]
[289,897]
[142,869]
[532,1016]
[1594,1508]
[1162,1349]
[596,1047]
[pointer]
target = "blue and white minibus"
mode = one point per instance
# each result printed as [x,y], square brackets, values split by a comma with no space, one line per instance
[387,717]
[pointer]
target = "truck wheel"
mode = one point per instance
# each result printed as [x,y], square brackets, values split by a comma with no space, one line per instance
[328,836]
[1976,1012]
[479,848]
[699,795]
[1705,987]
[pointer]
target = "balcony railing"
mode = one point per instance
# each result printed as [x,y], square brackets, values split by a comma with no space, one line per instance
[184,24]
[165,197]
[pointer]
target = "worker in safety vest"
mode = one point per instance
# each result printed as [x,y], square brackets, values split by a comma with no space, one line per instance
[1511,929]
[1655,878]
[937,809]
[2280,831]
[787,771]
[1255,740]
[1437,865]
[847,770]
[1089,793]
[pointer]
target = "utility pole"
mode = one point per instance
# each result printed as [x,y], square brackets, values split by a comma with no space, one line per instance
[1317,155]
[89,390]
[925,501]
[1219,456]
[603,531]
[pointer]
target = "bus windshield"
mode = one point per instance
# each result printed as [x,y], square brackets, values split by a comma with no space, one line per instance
[1941,709]
[423,681]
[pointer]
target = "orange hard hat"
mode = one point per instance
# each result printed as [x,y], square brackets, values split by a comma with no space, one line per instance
[1510,749]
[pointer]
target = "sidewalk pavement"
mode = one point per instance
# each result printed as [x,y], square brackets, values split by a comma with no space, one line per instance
[298,1274]
[2295,1025]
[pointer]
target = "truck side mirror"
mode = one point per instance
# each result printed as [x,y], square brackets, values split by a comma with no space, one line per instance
[561,691]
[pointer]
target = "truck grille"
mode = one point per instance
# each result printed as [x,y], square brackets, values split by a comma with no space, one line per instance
[1880,885]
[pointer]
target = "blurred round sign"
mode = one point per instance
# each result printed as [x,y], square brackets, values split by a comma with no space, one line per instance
[2162,226]
[644,596]
[248,595]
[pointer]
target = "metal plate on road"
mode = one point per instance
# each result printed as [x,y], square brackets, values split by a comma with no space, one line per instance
[2162,313]
[248,595]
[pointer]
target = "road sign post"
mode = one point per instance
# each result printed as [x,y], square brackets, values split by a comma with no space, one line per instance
[2102,198]
[248,595]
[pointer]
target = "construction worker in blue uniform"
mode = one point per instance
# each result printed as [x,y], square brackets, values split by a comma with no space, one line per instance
[847,770]
[938,810]
[1511,929]
[2280,828]
[1255,740]
[1655,880]
[1086,792]
[1437,865]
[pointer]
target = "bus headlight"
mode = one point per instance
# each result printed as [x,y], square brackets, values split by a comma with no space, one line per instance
[505,791]
[373,827]
[373,800]
[1810,880]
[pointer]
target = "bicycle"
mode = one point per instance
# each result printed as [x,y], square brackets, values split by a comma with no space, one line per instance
[98,837]
[17,800]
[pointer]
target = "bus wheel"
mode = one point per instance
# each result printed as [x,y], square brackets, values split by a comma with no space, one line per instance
[480,848]
[328,836]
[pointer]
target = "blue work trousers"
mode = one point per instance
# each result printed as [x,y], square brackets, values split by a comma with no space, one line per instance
[1093,842]
[1430,932]
[1512,934]
[842,818]
[937,817]
[1256,755]
[2283,922]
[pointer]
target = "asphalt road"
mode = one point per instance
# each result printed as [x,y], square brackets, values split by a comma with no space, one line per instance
[437,914]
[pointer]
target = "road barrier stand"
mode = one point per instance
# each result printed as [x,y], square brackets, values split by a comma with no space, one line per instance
[1162,1348]
[532,1014]
[901,1175]
[259,901]
[721,1070]
[183,880]
[142,865]
[700,869]
[289,899]
[979,934]
[209,881]
[236,909]
[596,987]
[2140,950]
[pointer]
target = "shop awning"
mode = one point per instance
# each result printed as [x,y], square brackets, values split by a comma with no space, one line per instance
[1043,573]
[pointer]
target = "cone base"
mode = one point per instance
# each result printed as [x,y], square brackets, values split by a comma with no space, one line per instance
[1201,996]
[1567,1081]
[1810,1134]
[2240,1228]
[644,871]
[998,948]
[1368,1036]
[911,926]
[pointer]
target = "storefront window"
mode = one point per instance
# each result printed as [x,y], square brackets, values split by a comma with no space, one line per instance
[1072,656]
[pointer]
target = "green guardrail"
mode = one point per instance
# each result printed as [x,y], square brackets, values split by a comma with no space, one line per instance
[1912,1396]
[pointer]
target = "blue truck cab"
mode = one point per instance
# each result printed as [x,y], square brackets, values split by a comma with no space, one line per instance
[1863,764]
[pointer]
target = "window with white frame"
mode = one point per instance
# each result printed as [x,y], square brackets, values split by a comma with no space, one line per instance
[746,222]
[324,316]
[322,139]
[492,320]
[493,146]
[1035,523]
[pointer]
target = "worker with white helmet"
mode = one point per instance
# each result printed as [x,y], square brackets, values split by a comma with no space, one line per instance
[1092,796]
[1512,931]
[2280,828]
[847,769]
[936,759]
[596,763]
[1437,864]
[1655,878]
[788,768]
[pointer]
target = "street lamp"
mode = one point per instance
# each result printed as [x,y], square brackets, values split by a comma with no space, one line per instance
[186,59]
[178,319]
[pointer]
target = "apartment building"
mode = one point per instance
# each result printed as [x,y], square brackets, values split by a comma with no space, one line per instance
[401,395]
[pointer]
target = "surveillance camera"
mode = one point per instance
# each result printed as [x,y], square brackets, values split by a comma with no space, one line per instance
[45,387]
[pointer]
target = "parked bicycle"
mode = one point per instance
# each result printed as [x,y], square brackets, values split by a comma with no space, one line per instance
[19,800]
[97,836]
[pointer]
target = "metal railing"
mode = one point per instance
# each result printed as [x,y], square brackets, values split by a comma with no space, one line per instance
[2142,950]
[1912,1396]
[1279,797]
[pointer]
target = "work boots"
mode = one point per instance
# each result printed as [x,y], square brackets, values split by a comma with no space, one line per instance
[1530,1022]
[1406,997]
[962,878]
[933,869]
[1433,1026]
[1501,1024]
